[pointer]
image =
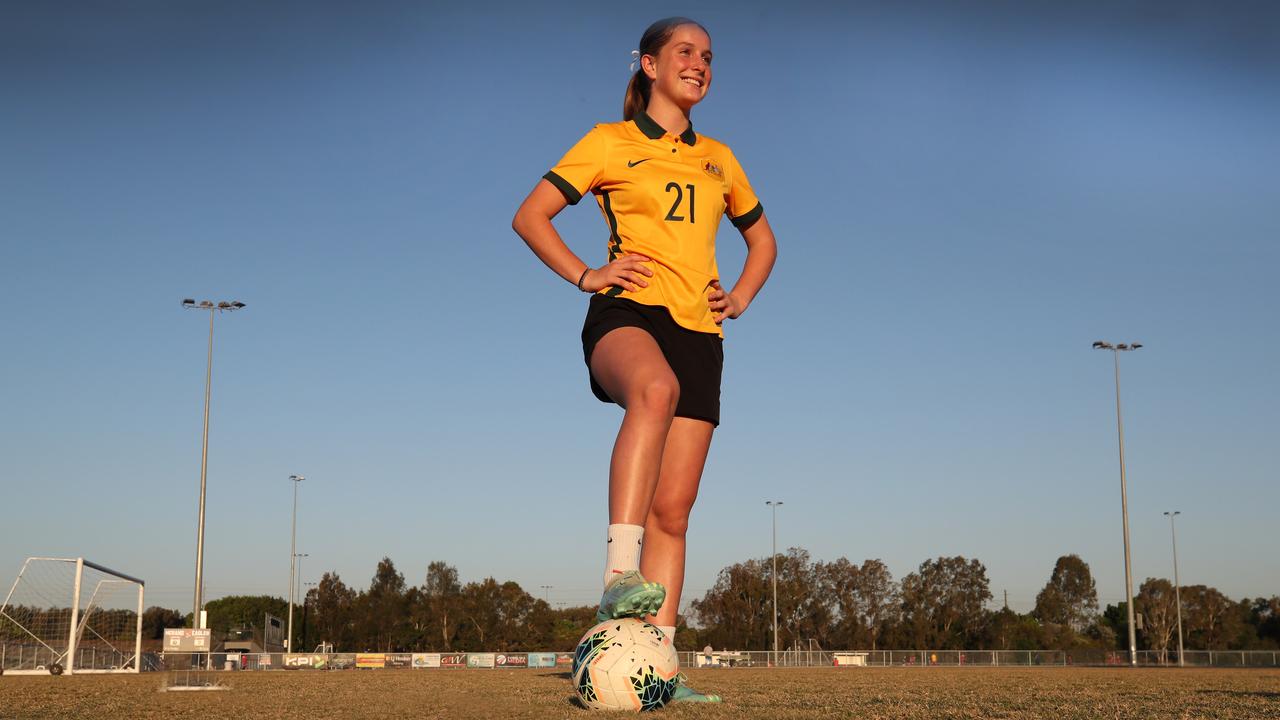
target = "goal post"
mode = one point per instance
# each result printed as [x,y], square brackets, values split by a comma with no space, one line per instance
[71,615]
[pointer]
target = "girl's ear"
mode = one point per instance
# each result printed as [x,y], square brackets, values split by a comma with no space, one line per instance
[649,66]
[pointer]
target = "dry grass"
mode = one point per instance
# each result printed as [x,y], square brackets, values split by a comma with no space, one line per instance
[863,693]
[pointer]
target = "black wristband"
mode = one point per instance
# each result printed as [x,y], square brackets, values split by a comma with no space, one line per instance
[583,277]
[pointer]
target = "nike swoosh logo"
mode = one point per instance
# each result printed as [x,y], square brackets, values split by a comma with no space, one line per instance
[637,162]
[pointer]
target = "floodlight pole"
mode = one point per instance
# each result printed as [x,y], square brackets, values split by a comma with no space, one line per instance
[212,307]
[1124,496]
[1177,591]
[293,558]
[774,505]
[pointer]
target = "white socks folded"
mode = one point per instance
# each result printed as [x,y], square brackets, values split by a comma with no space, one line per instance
[623,551]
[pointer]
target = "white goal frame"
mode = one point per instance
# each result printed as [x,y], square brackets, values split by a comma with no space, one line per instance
[65,655]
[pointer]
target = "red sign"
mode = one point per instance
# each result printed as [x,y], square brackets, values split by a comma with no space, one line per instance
[453,661]
[564,658]
[517,660]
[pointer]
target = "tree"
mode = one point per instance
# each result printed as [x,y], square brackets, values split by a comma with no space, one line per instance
[382,610]
[155,620]
[503,617]
[1007,630]
[943,603]
[243,611]
[439,607]
[736,610]
[332,605]
[864,600]
[1211,620]
[1264,617]
[1070,598]
[1155,601]
[1115,621]
[803,611]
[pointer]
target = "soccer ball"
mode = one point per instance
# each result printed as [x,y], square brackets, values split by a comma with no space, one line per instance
[625,664]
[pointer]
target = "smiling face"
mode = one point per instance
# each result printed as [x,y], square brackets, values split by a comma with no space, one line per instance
[681,71]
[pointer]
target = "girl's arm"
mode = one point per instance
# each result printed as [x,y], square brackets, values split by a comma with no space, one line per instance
[533,224]
[762,251]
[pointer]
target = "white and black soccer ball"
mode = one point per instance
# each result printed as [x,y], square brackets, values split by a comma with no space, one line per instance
[625,664]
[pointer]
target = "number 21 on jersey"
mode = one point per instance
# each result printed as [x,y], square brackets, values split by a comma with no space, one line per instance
[672,215]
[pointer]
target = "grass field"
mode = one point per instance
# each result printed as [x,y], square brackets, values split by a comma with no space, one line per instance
[1057,693]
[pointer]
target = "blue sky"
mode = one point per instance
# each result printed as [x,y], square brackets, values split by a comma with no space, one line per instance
[966,195]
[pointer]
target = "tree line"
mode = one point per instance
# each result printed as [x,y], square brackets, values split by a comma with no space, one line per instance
[946,603]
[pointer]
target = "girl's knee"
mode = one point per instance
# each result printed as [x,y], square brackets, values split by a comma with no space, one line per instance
[670,518]
[659,395]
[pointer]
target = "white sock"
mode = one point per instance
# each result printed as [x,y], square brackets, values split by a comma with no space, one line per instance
[669,631]
[623,551]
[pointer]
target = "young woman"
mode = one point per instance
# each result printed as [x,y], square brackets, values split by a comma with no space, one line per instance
[652,337]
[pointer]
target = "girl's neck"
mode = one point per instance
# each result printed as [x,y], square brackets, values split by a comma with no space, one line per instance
[667,114]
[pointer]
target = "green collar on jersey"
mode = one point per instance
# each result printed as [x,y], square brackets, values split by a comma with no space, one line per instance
[653,130]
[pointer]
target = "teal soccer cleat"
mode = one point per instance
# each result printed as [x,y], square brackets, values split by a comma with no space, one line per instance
[629,595]
[684,693]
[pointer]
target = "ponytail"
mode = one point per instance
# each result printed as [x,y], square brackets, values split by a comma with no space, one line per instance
[655,37]
[637,98]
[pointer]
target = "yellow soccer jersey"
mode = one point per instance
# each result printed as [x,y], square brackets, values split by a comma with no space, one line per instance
[662,196]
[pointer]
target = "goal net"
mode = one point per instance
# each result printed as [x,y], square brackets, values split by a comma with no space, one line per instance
[71,615]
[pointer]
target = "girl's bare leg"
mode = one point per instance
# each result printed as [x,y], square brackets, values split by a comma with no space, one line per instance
[630,367]
[662,561]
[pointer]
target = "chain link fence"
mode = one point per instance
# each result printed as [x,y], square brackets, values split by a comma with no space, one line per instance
[1086,657]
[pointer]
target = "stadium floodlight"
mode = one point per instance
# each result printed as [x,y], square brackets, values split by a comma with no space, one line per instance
[1177,592]
[1124,496]
[774,505]
[293,558]
[191,304]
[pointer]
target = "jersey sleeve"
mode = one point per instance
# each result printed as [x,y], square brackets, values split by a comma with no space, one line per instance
[581,169]
[742,205]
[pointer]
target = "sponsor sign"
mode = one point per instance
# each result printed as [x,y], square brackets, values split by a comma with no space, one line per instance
[542,660]
[342,661]
[371,660]
[186,640]
[426,660]
[264,660]
[512,660]
[303,660]
[399,660]
[457,660]
[564,658]
[481,660]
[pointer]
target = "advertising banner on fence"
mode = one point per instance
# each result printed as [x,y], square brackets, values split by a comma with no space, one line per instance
[399,660]
[371,660]
[303,660]
[342,661]
[426,660]
[480,660]
[564,658]
[542,660]
[264,660]
[456,660]
[511,660]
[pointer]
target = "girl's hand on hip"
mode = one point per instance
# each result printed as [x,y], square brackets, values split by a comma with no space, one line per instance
[627,272]
[724,304]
